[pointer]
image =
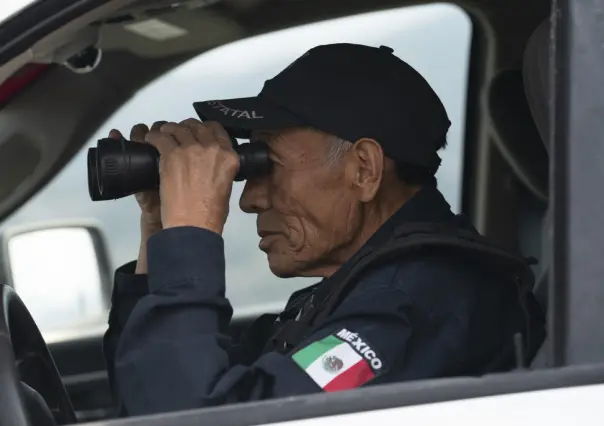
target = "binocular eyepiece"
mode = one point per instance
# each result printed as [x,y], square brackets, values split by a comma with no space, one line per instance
[119,168]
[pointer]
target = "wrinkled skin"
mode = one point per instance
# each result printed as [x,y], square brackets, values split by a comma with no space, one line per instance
[313,216]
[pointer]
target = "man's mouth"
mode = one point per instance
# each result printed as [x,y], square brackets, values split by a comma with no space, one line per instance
[265,240]
[264,233]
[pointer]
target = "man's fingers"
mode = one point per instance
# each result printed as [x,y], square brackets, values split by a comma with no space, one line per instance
[199,130]
[163,142]
[157,125]
[221,135]
[208,132]
[182,134]
[115,134]
[192,123]
[138,132]
[187,132]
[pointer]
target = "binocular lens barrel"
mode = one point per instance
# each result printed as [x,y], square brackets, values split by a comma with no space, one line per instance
[119,168]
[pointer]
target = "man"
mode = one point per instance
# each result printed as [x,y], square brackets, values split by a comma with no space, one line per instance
[353,133]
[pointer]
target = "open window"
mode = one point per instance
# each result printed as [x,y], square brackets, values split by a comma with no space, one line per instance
[239,69]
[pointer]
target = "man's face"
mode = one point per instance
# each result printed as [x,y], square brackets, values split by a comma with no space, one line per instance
[307,210]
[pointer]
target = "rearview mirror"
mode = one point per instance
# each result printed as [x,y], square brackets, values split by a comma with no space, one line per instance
[61,272]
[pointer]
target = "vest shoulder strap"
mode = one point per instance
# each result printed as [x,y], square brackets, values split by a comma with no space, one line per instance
[417,238]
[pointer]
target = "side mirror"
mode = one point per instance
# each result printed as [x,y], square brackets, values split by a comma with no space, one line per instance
[61,271]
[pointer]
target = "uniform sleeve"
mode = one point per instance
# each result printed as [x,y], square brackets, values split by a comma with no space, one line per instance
[128,289]
[173,351]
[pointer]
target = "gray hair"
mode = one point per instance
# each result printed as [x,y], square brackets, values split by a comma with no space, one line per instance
[336,150]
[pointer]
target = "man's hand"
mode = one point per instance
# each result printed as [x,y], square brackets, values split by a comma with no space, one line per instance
[148,201]
[197,168]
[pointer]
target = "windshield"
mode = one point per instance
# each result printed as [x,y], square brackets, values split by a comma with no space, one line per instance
[435,39]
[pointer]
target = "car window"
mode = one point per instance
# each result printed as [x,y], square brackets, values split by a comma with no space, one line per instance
[11,7]
[435,39]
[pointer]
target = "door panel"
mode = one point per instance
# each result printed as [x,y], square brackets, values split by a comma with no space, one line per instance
[82,368]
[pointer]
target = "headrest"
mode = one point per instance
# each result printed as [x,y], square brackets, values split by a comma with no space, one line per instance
[518,109]
[516,135]
[535,72]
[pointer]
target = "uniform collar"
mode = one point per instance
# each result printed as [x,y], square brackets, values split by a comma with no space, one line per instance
[427,205]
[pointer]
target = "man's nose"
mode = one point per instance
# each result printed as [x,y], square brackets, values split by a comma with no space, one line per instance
[254,198]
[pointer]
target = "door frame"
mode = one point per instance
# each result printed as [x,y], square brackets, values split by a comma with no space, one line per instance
[576,138]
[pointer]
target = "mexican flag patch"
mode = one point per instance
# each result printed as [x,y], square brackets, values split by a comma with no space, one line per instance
[339,362]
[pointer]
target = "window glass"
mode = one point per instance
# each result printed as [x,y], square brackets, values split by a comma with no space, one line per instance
[435,39]
[11,7]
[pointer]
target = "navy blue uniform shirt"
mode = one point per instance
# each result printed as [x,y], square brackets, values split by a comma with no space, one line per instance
[419,317]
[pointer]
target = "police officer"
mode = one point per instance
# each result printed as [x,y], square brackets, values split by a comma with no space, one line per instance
[353,133]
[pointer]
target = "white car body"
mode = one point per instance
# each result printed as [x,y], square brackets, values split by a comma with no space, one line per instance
[555,407]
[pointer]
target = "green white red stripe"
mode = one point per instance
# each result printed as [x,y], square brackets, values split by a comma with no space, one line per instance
[334,365]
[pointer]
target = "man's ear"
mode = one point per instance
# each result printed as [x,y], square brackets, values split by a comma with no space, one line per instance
[366,168]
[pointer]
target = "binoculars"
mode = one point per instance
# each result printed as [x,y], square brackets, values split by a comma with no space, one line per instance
[119,168]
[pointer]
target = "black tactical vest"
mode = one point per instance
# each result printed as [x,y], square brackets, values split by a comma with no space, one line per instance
[309,307]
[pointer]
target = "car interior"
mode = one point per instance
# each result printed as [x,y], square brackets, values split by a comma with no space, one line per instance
[46,115]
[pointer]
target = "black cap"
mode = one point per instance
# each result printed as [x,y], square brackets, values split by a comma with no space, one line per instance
[351,91]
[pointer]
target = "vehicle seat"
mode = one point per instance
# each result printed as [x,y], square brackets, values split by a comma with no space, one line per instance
[516,135]
[518,105]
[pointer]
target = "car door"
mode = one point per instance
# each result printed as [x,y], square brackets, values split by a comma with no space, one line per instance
[79,358]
